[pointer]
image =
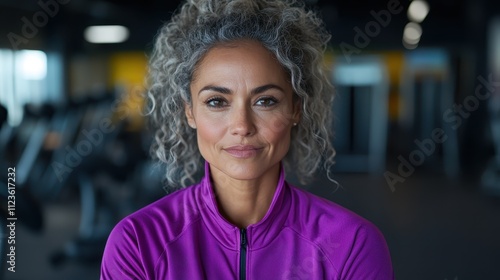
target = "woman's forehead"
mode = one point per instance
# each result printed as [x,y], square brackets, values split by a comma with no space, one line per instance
[248,58]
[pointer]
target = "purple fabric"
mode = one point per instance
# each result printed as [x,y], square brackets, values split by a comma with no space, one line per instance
[302,236]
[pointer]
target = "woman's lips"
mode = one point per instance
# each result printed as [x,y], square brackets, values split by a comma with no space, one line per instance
[246,151]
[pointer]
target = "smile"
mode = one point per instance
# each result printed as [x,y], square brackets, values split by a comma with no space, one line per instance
[243,151]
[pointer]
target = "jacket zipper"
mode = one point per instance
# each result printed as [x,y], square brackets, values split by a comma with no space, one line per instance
[243,254]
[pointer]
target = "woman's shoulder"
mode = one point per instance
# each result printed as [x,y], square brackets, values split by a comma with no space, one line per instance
[138,240]
[347,240]
[171,213]
[319,207]
[331,219]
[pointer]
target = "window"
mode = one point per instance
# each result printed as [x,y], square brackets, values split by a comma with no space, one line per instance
[29,76]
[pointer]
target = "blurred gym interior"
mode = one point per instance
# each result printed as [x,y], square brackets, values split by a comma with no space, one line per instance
[417,129]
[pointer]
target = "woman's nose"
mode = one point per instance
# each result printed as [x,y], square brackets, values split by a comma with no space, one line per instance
[242,122]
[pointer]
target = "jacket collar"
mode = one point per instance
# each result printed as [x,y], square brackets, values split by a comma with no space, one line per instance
[259,234]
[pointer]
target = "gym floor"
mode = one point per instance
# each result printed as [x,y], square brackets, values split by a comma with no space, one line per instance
[436,228]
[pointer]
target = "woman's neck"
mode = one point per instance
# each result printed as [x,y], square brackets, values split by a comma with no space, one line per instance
[244,202]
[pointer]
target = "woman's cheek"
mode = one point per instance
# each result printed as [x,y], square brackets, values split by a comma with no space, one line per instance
[275,128]
[210,128]
[277,122]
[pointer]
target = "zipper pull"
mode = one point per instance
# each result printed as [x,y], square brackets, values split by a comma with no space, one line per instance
[243,237]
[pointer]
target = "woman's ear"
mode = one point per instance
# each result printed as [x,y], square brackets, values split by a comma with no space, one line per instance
[188,109]
[297,110]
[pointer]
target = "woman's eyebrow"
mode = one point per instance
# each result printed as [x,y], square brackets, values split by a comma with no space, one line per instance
[225,90]
[218,89]
[264,88]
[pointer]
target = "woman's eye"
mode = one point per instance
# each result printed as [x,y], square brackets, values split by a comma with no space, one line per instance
[216,102]
[266,102]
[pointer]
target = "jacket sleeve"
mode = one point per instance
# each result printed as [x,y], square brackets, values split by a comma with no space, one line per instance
[122,258]
[369,258]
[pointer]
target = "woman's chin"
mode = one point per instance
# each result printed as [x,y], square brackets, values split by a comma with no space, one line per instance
[243,171]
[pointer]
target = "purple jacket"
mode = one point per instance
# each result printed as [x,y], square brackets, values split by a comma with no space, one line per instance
[302,236]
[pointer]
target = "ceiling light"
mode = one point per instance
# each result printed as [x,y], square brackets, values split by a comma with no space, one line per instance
[418,10]
[33,64]
[409,46]
[106,34]
[412,33]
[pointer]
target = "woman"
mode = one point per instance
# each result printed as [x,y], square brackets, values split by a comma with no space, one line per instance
[240,85]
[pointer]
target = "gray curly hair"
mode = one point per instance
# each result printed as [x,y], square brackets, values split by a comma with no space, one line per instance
[295,36]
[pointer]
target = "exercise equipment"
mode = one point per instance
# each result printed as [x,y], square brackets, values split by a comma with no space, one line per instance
[113,158]
[361,116]
[427,93]
[81,148]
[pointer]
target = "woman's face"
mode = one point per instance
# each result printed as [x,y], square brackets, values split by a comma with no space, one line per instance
[243,109]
